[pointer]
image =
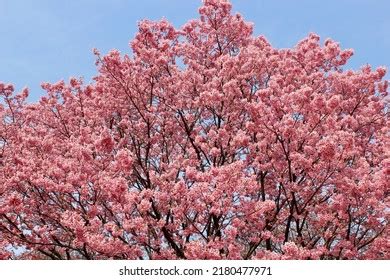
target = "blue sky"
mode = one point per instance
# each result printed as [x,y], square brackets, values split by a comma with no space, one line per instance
[50,40]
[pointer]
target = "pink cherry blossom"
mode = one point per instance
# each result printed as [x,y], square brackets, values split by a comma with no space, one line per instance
[205,143]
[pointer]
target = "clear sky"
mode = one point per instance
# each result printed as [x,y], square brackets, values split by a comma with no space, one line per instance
[50,40]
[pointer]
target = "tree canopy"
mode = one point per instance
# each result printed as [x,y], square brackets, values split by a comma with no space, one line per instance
[204,143]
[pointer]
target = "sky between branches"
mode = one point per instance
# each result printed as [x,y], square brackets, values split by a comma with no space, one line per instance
[50,40]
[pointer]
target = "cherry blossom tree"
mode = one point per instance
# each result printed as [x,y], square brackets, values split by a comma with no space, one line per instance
[204,143]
